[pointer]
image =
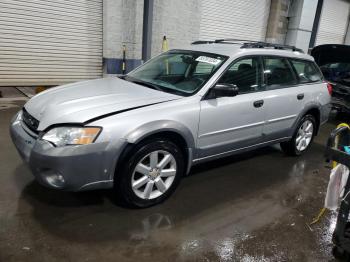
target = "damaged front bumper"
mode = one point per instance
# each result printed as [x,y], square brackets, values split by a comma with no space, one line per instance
[71,168]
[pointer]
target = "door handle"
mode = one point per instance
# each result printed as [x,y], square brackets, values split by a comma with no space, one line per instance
[258,103]
[300,96]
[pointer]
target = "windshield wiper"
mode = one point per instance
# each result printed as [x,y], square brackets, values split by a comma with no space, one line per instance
[140,82]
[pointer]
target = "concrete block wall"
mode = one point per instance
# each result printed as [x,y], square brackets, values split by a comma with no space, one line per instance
[178,20]
[122,25]
[290,22]
[278,21]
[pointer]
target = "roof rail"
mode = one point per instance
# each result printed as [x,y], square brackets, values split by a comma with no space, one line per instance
[233,40]
[270,45]
[226,41]
[202,42]
[250,44]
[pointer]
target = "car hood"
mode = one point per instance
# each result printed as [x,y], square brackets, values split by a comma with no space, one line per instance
[84,101]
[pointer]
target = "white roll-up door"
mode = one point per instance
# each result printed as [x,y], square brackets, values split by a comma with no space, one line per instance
[50,42]
[333,22]
[243,19]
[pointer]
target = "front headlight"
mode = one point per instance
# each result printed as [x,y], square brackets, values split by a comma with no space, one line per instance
[62,136]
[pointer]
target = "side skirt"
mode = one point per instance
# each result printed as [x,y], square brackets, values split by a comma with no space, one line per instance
[239,150]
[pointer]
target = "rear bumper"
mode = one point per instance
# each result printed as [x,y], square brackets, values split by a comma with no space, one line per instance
[71,168]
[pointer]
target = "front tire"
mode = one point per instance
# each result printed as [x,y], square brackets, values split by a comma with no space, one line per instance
[302,138]
[150,174]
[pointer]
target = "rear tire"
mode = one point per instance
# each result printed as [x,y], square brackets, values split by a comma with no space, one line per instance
[302,138]
[150,174]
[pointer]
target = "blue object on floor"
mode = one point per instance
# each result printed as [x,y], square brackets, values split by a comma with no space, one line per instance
[347,149]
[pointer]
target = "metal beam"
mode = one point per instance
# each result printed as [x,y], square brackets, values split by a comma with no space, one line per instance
[147,29]
[316,24]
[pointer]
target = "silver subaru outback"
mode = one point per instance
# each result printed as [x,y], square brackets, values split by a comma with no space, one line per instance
[142,132]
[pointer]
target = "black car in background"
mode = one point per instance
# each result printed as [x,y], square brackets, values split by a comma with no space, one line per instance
[334,61]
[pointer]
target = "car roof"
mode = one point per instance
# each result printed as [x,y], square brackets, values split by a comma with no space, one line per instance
[228,49]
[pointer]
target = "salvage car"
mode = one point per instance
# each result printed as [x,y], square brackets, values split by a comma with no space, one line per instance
[334,61]
[142,132]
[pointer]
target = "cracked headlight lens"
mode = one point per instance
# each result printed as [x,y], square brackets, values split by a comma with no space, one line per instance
[63,136]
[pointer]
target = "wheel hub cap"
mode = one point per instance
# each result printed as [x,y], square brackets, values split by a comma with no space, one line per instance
[154,174]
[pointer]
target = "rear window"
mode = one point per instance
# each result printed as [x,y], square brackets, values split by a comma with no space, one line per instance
[278,72]
[307,71]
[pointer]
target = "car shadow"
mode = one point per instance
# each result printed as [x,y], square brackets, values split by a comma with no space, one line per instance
[215,191]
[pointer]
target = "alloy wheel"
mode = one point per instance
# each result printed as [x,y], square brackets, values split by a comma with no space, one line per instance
[153,174]
[304,136]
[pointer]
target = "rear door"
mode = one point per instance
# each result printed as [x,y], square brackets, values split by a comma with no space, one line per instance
[284,97]
[310,79]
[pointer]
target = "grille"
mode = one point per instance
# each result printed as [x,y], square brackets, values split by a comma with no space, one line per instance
[30,121]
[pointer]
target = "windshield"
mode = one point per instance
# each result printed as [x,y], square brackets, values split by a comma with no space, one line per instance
[179,72]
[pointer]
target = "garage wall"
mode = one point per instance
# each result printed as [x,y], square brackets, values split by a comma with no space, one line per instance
[244,19]
[333,22]
[50,42]
[122,25]
[278,21]
[301,19]
[178,20]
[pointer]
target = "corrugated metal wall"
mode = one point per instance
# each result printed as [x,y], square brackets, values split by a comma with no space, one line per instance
[333,22]
[50,42]
[244,19]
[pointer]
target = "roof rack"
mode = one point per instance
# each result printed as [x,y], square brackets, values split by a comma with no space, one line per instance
[202,42]
[250,44]
[226,41]
[233,41]
[270,45]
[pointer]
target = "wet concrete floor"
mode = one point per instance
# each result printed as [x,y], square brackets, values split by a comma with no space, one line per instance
[252,207]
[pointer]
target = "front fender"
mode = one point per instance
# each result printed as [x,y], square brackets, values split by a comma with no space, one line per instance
[154,127]
[161,126]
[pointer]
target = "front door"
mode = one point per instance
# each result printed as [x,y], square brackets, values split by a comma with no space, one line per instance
[230,123]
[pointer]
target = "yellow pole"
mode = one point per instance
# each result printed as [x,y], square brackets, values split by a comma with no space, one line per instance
[124,60]
[165,44]
[164,49]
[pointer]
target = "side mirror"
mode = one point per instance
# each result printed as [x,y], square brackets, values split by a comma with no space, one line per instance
[223,90]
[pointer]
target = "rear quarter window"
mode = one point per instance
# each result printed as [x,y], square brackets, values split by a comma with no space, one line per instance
[307,71]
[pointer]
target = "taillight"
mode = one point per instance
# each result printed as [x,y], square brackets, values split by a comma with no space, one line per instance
[330,88]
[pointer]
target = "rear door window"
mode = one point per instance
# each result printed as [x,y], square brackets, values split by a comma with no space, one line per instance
[278,73]
[307,71]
